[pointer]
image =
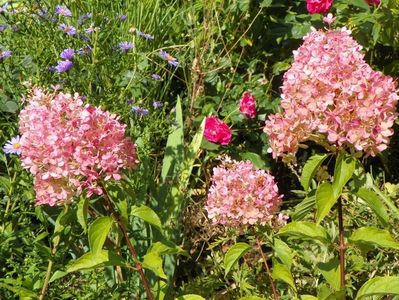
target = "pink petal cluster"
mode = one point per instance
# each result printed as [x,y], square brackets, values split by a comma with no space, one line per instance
[330,94]
[318,6]
[70,147]
[242,195]
[217,131]
[248,105]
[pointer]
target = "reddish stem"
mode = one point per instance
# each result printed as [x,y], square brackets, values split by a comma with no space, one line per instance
[275,294]
[342,245]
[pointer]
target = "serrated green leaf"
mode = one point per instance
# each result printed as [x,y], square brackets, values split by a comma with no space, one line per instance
[331,272]
[303,209]
[92,260]
[379,286]
[325,200]
[81,212]
[310,169]
[343,171]
[166,248]
[283,252]
[98,232]
[281,272]
[233,255]
[153,261]
[373,236]
[305,230]
[148,215]
[375,203]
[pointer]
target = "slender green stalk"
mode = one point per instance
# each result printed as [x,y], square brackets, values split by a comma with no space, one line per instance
[341,246]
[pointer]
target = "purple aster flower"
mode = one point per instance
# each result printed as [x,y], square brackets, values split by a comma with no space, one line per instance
[157,104]
[62,10]
[156,77]
[139,111]
[122,17]
[145,35]
[169,58]
[126,46]
[67,54]
[43,13]
[4,8]
[92,29]
[63,66]
[3,27]
[68,29]
[84,51]
[5,54]
[129,101]
[83,18]
[13,146]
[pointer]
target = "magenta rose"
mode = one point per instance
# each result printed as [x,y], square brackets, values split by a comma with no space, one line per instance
[318,6]
[248,105]
[373,2]
[217,131]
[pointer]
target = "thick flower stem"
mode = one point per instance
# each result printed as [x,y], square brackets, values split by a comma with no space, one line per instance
[275,294]
[46,279]
[130,246]
[341,246]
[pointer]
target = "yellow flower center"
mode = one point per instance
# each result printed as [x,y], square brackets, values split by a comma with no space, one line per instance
[16,145]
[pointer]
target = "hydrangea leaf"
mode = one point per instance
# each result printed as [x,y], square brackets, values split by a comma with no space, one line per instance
[310,169]
[373,236]
[325,200]
[305,230]
[148,215]
[234,254]
[98,232]
[379,286]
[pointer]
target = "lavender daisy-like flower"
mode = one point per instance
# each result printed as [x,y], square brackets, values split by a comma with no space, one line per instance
[145,35]
[5,54]
[122,17]
[169,58]
[156,77]
[68,29]
[3,27]
[63,66]
[62,10]
[92,29]
[157,104]
[13,146]
[140,111]
[125,46]
[67,54]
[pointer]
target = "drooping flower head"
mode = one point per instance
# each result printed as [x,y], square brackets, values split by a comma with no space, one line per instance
[331,95]
[241,195]
[13,146]
[318,6]
[70,147]
[248,105]
[217,131]
[169,58]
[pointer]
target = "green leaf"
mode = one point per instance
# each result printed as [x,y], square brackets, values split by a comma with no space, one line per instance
[166,248]
[266,3]
[98,232]
[153,261]
[331,272]
[303,209]
[379,286]
[174,151]
[375,203]
[373,236]
[57,275]
[325,200]
[148,215]
[190,297]
[307,297]
[92,260]
[252,298]
[344,168]
[283,252]
[281,272]
[81,212]
[255,158]
[305,230]
[310,169]
[234,254]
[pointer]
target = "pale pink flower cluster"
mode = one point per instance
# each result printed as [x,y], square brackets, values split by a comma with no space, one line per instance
[70,147]
[331,95]
[242,195]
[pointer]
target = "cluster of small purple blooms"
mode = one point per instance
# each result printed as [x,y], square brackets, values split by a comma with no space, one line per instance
[66,64]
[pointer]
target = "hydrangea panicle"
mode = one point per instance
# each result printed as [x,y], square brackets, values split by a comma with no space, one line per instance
[241,195]
[70,147]
[332,96]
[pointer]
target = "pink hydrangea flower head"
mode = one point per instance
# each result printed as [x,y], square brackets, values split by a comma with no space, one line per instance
[318,6]
[332,96]
[241,195]
[248,105]
[217,131]
[70,147]
[373,2]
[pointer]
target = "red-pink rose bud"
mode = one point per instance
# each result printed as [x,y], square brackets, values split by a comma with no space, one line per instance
[248,105]
[373,2]
[318,6]
[217,131]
